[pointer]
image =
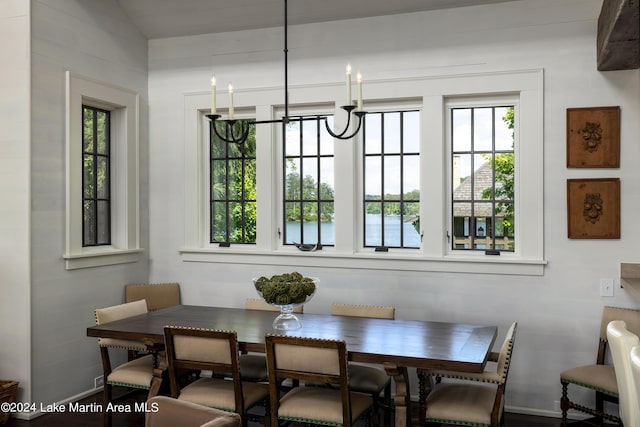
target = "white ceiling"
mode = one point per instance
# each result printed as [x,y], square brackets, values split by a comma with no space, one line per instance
[171,18]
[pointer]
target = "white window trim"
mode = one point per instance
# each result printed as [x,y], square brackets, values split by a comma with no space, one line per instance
[433,256]
[125,212]
[522,215]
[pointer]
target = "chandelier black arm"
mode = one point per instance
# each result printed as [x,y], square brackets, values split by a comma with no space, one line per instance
[341,135]
[240,139]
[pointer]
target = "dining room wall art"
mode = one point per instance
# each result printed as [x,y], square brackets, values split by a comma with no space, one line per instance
[593,208]
[593,137]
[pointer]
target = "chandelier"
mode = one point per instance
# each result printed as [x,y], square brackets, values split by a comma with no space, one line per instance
[236,131]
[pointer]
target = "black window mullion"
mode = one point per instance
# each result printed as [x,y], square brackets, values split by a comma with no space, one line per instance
[472,232]
[319,195]
[301,177]
[493,178]
[382,175]
[401,179]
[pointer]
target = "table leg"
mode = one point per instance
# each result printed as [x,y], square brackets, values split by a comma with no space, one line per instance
[402,398]
[156,382]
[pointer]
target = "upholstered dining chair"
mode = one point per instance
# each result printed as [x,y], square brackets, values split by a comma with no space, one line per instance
[216,351]
[469,399]
[621,341]
[253,366]
[599,377]
[144,372]
[635,368]
[314,361]
[157,295]
[164,411]
[365,378]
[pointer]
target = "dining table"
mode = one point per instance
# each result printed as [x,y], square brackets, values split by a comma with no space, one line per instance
[395,344]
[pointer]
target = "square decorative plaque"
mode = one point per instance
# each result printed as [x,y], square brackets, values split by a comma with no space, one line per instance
[593,208]
[593,137]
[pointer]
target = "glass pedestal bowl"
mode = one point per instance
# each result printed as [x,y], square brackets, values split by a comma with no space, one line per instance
[287,320]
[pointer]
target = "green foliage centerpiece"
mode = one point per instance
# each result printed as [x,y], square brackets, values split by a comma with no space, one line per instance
[286,291]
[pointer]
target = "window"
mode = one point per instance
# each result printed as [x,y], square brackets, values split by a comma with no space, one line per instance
[392,180]
[385,199]
[102,195]
[96,178]
[482,178]
[233,189]
[308,182]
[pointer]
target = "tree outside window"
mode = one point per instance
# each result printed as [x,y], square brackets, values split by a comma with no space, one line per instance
[483,178]
[392,179]
[308,182]
[96,180]
[233,189]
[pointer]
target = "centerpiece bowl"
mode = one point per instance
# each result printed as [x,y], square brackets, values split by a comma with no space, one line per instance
[286,291]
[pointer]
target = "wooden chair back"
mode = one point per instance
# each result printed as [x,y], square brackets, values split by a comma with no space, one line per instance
[164,411]
[203,350]
[117,312]
[306,359]
[354,310]
[157,295]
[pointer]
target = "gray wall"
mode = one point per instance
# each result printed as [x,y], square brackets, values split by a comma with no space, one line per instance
[14,192]
[558,312]
[96,40]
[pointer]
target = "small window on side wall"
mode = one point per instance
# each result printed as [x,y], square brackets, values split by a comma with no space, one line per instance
[102,212]
[96,176]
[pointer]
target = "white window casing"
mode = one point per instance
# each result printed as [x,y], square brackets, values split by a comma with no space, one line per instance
[429,94]
[125,211]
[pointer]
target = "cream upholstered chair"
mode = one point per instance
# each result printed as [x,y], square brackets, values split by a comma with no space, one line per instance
[253,367]
[599,377]
[470,399]
[157,295]
[140,373]
[621,341]
[364,378]
[315,361]
[164,411]
[635,368]
[216,351]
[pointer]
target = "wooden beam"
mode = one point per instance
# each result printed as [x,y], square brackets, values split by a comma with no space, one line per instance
[619,35]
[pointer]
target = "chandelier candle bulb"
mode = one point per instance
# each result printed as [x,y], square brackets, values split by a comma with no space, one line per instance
[349,100]
[213,94]
[230,102]
[359,81]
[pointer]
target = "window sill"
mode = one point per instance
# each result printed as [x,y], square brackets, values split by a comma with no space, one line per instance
[97,257]
[368,260]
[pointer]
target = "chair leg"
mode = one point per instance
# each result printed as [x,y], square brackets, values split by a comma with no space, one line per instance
[156,382]
[422,399]
[387,404]
[564,404]
[599,408]
[107,395]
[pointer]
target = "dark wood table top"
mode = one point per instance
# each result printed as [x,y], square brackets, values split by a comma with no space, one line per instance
[408,343]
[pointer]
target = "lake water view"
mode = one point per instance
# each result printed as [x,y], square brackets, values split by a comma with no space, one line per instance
[373,232]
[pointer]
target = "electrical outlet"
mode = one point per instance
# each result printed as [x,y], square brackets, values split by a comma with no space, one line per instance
[98,381]
[606,287]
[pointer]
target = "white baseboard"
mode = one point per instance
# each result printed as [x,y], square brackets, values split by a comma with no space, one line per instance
[31,415]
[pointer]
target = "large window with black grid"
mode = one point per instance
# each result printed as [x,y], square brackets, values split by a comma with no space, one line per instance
[391,211]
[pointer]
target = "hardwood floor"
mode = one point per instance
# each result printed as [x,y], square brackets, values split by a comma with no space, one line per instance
[136,419]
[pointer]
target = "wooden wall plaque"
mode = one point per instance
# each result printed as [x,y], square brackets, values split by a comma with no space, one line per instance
[593,208]
[593,137]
